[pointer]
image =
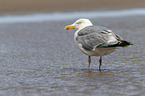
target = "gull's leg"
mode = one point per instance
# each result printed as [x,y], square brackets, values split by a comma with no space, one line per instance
[100,60]
[89,60]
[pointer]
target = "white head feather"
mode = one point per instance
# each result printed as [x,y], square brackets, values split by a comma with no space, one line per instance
[81,23]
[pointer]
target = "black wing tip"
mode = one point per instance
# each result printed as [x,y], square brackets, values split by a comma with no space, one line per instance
[122,43]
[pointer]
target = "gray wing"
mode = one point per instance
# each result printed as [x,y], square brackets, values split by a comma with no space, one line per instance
[95,36]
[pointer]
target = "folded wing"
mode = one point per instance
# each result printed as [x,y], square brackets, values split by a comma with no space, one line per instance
[99,37]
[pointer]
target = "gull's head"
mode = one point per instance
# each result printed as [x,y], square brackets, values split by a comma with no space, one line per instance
[79,24]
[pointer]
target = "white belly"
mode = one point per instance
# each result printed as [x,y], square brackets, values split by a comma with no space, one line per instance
[98,51]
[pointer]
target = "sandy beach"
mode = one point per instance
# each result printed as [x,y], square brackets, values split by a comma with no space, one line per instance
[28,6]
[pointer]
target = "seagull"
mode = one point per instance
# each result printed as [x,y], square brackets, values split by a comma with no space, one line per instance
[95,40]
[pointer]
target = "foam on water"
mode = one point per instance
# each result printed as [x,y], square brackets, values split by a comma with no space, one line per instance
[69,15]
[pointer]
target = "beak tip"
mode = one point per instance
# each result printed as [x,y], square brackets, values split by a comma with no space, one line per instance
[65,28]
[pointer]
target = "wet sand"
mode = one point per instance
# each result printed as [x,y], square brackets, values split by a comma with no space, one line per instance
[28,6]
[41,59]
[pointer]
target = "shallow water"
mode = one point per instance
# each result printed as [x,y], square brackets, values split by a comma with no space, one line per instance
[41,59]
[41,17]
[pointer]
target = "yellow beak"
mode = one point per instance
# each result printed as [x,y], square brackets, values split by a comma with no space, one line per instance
[69,27]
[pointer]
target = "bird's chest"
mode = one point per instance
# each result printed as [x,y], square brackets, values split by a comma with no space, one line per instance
[75,35]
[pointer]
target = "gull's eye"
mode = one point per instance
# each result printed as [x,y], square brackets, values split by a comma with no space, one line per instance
[79,22]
